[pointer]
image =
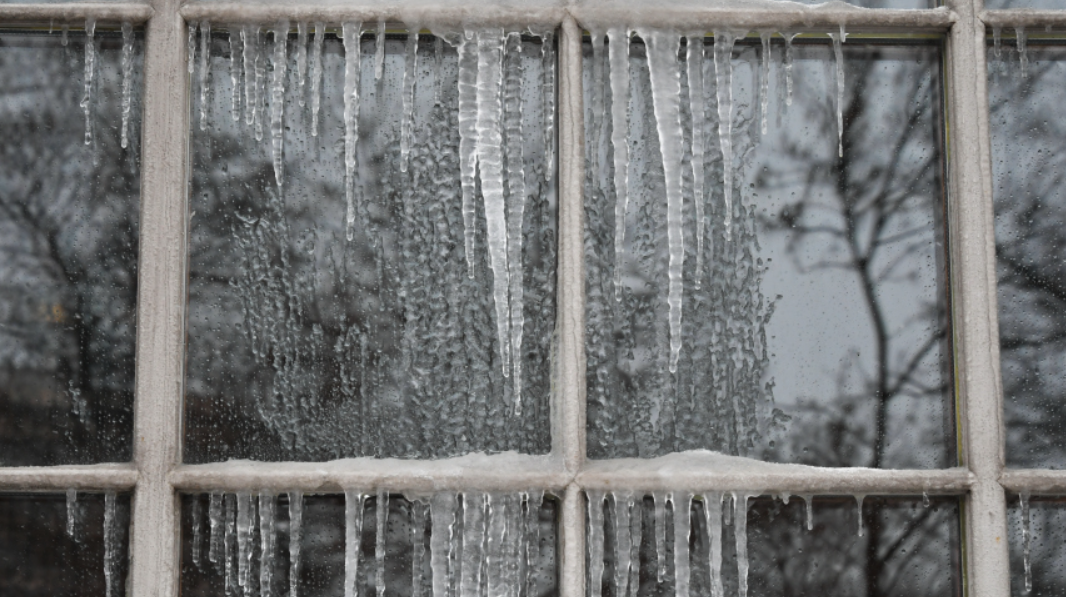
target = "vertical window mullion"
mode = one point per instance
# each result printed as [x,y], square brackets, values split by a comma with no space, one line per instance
[154,544]
[974,303]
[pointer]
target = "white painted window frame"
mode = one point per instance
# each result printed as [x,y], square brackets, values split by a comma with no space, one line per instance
[156,475]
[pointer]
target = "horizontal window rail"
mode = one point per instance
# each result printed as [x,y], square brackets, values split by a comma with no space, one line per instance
[49,478]
[69,12]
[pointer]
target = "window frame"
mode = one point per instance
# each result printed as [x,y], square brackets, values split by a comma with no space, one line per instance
[157,476]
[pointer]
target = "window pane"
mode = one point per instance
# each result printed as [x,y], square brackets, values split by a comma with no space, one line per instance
[51,544]
[305,345]
[993,4]
[68,236]
[523,561]
[1043,571]
[904,547]
[816,328]
[1028,164]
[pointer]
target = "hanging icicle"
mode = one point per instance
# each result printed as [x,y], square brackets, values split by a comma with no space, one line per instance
[410,67]
[516,204]
[110,544]
[618,57]
[723,69]
[205,68]
[468,136]
[659,513]
[127,80]
[547,53]
[236,59]
[267,542]
[838,53]
[1023,50]
[682,502]
[596,542]
[442,517]
[712,513]
[858,502]
[1027,537]
[351,32]
[764,80]
[72,512]
[197,536]
[90,68]
[623,539]
[353,531]
[740,533]
[316,75]
[788,66]
[214,517]
[301,62]
[277,99]
[379,50]
[696,101]
[296,525]
[473,554]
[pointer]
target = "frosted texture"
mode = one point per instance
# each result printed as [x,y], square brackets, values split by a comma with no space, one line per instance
[322,569]
[304,345]
[1047,555]
[68,248]
[908,549]
[818,333]
[1028,162]
[38,558]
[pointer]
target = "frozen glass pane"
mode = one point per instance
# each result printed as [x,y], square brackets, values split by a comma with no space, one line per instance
[993,4]
[515,548]
[308,344]
[69,196]
[1042,572]
[74,545]
[811,323]
[1028,161]
[906,546]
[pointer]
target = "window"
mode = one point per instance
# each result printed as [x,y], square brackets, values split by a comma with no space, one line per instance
[172,457]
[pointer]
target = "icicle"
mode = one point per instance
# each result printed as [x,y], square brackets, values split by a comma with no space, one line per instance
[379,51]
[250,44]
[516,204]
[785,497]
[277,99]
[490,44]
[696,101]
[682,528]
[90,67]
[925,499]
[235,61]
[712,513]
[858,501]
[740,533]
[442,515]
[110,543]
[547,60]
[660,533]
[72,512]
[596,125]
[468,137]
[418,546]
[1027,563]
[495,553]
[351,32]
[788,66]
[205,68]
[596,547]
[764,84]
[666,97]
[127,79]
[301,61]
[622,540]
[353,531]
[438,59]
[197,536]
[473,555]
[997,47]
[838,53]
[260,83]
[231,530]
[381,508]
[410,66]
[316,76]
[267,542]
[723,71]
[296,526]
[534,500]
[191,45]
[214,517]
[1023,52]
[809,502]
[244,536]
[636,534]
[618,57]
[64,38]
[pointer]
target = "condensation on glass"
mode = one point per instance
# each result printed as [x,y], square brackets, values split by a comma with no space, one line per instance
[812,327]
[1028,163]
[64,544]
[429,545]
[741,545]
[69,196]
[331,313]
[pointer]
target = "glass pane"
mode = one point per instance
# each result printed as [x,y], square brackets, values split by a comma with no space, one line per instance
[74,545]
[1028,160]
[902,547]
[1037,550]
[514,551]
[816,328]
[994,4]
[69,196]
[307,345]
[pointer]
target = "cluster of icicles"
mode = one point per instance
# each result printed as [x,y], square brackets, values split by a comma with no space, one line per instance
[111,536]
[90,69]
[500,532]
[626,510]
[663,48]
[490,131]
[1021,40]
